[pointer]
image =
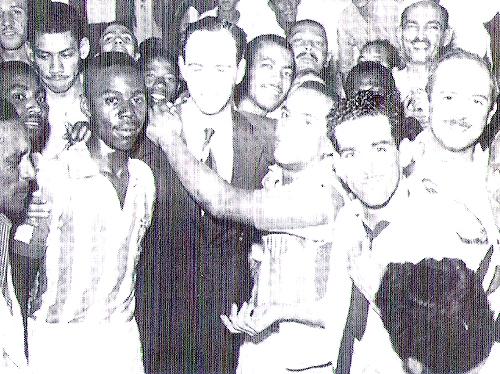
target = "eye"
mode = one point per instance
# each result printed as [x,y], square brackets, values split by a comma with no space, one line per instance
[285,113]
[67,54]
[381,149]
[108,38]
[127,38]
[347,154]
[448,97]
[18,96]
[478,101]
[267,65]
[42,55]
[287,73]
[138,100]
[111,100]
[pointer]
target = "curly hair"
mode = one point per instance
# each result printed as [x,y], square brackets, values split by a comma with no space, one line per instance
[368,103]
[436,312]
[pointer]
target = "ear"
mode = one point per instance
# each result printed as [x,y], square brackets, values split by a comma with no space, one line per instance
[405,153]
[84,106]
[447,36]
[30,53]
[137,56]
[84,48]
[240,73]
[414,366]
[182,68]
[492,112]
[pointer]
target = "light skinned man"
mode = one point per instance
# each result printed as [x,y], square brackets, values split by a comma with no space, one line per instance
[423,33]
[14,23]
[59,46]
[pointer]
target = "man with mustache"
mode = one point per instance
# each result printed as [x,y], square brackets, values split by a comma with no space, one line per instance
[81,317]
[423,33]
[14,21]
[461,108]
[59,46]
[310,49]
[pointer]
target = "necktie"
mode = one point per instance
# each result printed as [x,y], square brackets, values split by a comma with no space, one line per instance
[210,161]
[358,313]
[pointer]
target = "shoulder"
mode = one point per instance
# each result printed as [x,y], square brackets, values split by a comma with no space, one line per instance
[140,171]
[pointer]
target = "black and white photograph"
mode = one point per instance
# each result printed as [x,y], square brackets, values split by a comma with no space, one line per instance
[249,186]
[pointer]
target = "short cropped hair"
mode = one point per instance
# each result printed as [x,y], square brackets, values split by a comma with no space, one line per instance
[393,56]
[11,69]
[151,49]
[369,69]
[370,104]
[53,18]
[432,3]
[252,48]
[217,24]
[436,312]
[103,61]
[311,23]
[460,54]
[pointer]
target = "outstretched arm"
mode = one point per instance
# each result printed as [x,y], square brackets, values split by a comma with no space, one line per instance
[273,210]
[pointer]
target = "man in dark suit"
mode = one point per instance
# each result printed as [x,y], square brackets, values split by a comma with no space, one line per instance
[199,264]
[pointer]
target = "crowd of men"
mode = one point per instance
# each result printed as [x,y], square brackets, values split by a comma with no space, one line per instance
[292,186]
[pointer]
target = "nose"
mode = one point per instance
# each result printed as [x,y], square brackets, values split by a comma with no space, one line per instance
[118,41]
[56,66]
[421,33]
[126,109]
[32,106]
[26,169]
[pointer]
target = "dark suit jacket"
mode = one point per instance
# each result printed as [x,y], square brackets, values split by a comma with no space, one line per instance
[193,261]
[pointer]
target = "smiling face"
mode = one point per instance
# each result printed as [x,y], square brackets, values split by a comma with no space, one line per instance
[161,80]
[24,92]
[423,33]
[460,103]
[118,106]
[369,159]
[16,169]
[57,59]
[14,22]
[118,38]
[270,76]
[309,47]
[301,131]
[210,69]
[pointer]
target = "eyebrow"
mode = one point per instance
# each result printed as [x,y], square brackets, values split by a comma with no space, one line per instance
[382,142]
[19,87]
[268,59]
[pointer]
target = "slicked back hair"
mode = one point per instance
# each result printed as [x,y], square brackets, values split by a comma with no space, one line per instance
[53,18]
[216,24]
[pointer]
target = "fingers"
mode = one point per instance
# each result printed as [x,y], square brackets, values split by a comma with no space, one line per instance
[239,322]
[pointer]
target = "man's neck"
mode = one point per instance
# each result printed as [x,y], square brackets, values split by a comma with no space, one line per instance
[109,160]
[19,54]
[372,216]
[440,154]
[417,70]
[247,105]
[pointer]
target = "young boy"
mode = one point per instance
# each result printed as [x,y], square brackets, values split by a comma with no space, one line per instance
[82,318]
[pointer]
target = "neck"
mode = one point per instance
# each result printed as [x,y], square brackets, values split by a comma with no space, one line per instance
[108,159]
[73,93]
[15,54]
[449,158]
[247,105]
[418,70]
[372,216]
[293,171]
